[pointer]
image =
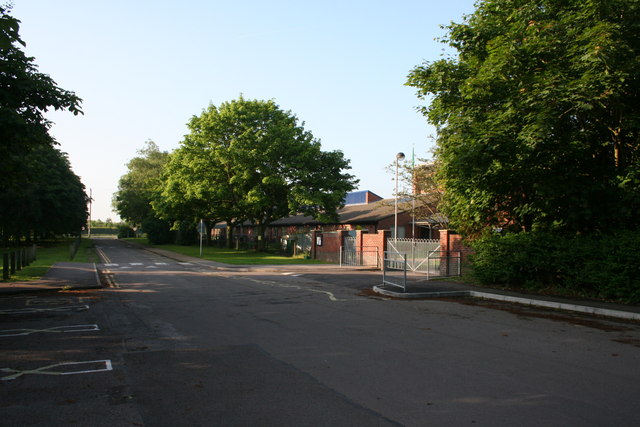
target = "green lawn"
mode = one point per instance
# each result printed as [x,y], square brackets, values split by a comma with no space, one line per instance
[231,256]
[48,253]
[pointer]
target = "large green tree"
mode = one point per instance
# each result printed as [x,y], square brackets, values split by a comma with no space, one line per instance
[139,187]
[25,96]
[39,194]
[538,115]
[50,199]
[251,160]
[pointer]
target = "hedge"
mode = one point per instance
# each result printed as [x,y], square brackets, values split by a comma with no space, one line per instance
[599,266]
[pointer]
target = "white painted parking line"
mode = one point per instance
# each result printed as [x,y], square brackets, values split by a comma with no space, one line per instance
[161,263]
[44,309]
[54,330]
[53,301]
[111,265]
[152,266]
[60,369]
[185,263]
[135,263]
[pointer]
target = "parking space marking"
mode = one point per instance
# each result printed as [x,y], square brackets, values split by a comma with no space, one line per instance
[45,309]
[185,263]
[111,265]
[98,365]
[53,301]
[54,330]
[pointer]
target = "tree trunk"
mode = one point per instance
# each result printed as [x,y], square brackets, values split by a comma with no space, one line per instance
[261,243]
[230,228]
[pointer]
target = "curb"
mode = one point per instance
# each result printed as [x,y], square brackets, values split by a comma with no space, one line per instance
[51,286]
[606,312]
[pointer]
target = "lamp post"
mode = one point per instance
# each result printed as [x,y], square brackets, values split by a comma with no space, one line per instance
[399,156]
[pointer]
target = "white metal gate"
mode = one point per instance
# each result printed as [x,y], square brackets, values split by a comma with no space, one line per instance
[424,256]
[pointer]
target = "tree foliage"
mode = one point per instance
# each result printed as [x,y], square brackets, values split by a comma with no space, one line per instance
[25,96]
[39,193]
[139,187]
[251,160]
[538,115]
[50,200]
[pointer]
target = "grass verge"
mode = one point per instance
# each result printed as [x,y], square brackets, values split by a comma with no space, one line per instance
[231,256]
[48,253]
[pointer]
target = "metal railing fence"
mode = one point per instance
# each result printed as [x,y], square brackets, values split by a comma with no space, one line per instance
[394,270]
[360,256]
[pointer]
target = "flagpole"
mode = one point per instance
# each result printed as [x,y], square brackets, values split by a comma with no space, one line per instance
[413,184]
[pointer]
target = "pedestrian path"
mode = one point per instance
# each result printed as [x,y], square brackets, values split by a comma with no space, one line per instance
[62,275]
[450,289]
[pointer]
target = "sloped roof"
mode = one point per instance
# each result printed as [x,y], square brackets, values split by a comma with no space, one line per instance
[350,214]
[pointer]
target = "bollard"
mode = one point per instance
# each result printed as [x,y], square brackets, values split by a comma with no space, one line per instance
[5,266]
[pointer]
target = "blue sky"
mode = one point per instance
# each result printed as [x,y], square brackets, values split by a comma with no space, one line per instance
[144,68]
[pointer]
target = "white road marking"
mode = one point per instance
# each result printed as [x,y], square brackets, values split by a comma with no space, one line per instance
[45,309]
[161,263]
[102,366]
[111,265]
[53,301]
[135,263]
[54,330]
[331,296]
[185,263]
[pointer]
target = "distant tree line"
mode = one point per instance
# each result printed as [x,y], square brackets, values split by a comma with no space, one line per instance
[39,193]
[246,160]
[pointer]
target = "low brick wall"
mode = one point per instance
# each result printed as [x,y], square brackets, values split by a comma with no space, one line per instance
[327,245]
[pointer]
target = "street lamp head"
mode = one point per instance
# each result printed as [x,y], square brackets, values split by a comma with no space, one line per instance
[400,156]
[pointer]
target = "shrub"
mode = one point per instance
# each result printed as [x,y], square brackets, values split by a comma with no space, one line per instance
[125,231]
[602,266]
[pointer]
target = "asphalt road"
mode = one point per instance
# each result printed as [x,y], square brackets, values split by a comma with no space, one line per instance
[177,344]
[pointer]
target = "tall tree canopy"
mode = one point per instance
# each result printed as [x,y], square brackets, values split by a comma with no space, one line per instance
[25,96]
[39,193]
[50,200]
[538,115]
[139,187]
[251,160]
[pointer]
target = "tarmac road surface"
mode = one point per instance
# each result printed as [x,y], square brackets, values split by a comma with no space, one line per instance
[179,344]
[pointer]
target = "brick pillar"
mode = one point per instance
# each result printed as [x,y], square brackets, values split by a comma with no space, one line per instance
[445,247]
[445,240]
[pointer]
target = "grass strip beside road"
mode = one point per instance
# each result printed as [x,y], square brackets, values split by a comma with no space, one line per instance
[48,253]
[231,256]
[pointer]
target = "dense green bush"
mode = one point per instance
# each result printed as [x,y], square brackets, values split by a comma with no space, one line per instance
[185,233]
[601,266]
[125,231]
[158,231]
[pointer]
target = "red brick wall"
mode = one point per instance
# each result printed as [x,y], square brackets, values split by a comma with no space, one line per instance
[378,240]
[404,220]
[330,249]
[452,241]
